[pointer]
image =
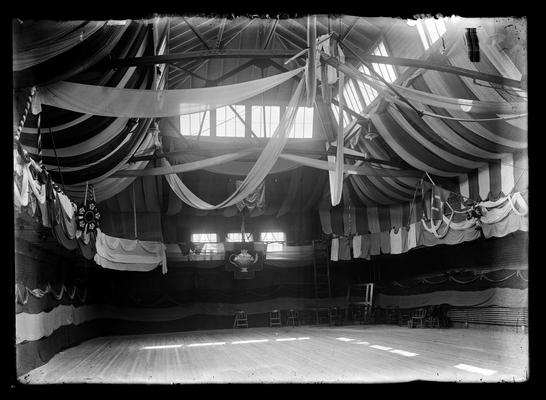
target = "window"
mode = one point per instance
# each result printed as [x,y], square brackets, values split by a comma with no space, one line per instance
[430,30]
[238,237]
[368,92]
[228,124]
[346,116]
[385,70]
[274,240]
[351,97]
[272,116]
[204,238]
[303,124]
[190,124]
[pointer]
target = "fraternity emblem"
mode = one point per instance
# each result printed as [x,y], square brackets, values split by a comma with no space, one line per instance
[88,217]
[243,260]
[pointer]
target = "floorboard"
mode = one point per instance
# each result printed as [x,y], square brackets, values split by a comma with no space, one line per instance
[362,353]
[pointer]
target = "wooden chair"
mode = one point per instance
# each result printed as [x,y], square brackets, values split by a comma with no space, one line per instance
[241,320]
[432,319]
[275,318]
[292,318]
[335,316]
[417,317]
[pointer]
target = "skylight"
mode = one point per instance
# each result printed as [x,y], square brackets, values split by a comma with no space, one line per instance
[435,28]
[385,70]
[368,92]
[346,117]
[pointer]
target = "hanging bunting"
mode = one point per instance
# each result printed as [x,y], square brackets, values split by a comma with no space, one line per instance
[256,199]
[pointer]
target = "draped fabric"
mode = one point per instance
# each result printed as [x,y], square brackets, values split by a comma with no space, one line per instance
[133,103]
[502,297]
[261,168]
[63,36]
[129,255]
[336,176]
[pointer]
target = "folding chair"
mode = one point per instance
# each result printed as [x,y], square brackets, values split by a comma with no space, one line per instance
[241,320]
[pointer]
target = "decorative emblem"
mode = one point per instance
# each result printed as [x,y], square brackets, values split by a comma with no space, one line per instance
[243,260]
[88,215]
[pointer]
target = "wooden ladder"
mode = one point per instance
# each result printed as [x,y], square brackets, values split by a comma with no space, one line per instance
[321,275]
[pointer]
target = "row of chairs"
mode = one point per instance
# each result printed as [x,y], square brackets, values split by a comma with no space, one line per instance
[423,317]
[292,319]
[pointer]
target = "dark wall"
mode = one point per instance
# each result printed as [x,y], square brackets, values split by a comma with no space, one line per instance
[35,268]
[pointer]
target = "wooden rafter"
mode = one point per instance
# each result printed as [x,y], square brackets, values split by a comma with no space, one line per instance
[220,33]
[349,29]
[200,54]
[417,63]
[196,33]
[270,33]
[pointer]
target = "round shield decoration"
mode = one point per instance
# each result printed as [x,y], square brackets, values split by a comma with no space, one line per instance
[88,217]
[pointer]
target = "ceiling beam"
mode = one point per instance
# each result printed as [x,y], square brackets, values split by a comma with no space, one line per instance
[200,54]
[415,63]
[270,34]
[196,33]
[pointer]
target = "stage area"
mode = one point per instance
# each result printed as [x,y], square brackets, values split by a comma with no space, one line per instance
[359,353]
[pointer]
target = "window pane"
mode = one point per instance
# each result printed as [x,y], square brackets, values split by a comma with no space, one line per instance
[441,26]
[190,124]
[238,237]
[272,118]
[303,124]
[204,238]
[272,237]
[431,28]
[228,123]
[386,71]
[422,34]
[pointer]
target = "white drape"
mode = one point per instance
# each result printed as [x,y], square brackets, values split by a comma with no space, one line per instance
[116,102]
[259,171]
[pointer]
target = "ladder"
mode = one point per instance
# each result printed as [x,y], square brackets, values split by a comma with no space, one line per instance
[321,276]
[359,302]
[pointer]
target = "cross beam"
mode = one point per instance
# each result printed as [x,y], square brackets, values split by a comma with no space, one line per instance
[200,54]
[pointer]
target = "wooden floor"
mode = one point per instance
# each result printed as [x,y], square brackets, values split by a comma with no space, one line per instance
[363,353]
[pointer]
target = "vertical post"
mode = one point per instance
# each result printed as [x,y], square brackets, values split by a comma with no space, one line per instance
[311,80]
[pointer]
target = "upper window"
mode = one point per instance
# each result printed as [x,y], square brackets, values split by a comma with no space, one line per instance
[265,119]
[352,98]
[238,237]
[192,124]
[430,30]
[368,92]
[274,240]
[385,70]
[204,238]
[346,116]
[303,124]
[229,121]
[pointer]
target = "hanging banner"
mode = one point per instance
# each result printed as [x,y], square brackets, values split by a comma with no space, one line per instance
[244,259]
